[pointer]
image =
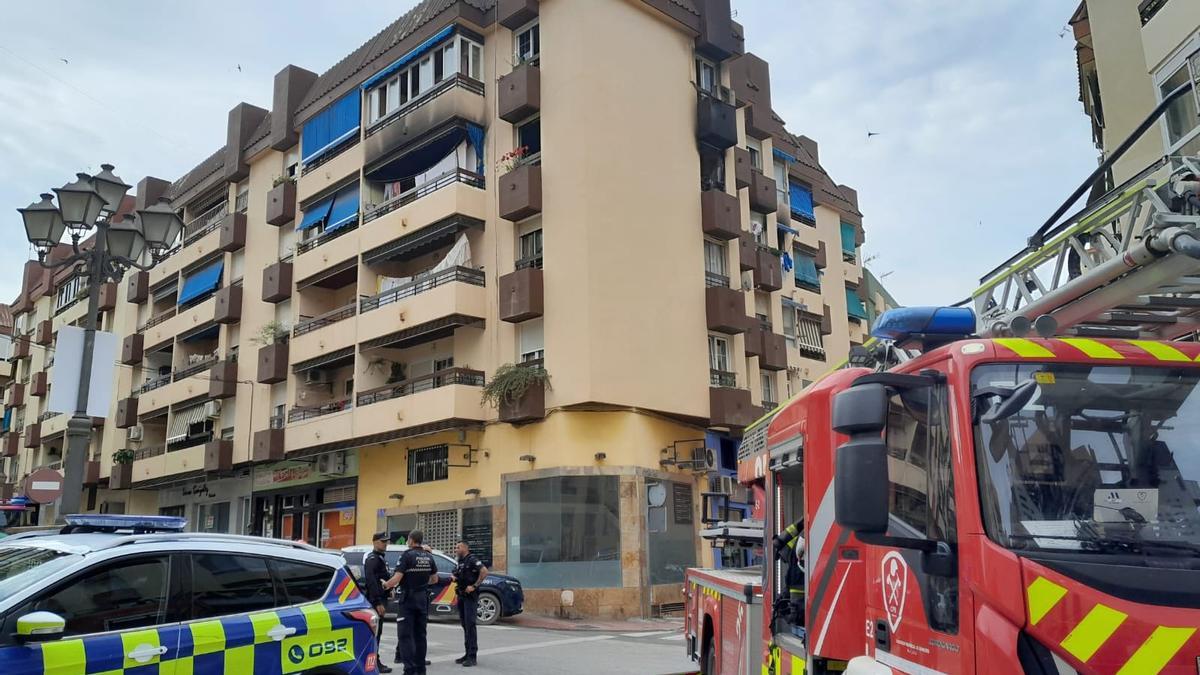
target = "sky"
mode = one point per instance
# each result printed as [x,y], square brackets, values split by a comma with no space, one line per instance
[975,103]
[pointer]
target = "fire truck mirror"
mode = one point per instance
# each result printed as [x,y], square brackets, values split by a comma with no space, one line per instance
[861,461]
[861,409]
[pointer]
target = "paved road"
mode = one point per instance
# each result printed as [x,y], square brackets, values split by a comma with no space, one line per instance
[530,651]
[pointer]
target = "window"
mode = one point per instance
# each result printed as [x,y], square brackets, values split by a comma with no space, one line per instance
[758,227]
[755,147]
[718,354]
[781,182]
[71,290]
[130,593]
[800,201]
[768,388]
[302,582]
[805,271]
[471,59]
[808,336]
[1182,120]
[444,565]
[457,55]
[854,305]
[291,164]
[527,44]
[531,341]
[428,464]
[242,201]
[529,248]
[714,259]
[712,168]
[921,486]
[212,517]
[529,136]
[849,242]
[708,78]
[563,529]
[224,584]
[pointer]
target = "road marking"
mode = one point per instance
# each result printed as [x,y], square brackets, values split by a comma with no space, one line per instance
[525,647]
[676,636]
[647,634]
[455,626]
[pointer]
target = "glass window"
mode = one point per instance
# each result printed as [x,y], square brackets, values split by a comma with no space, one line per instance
[1181,118]
[563,529]
[130,593]
[428,464]
[527,44]
[921,484]
[758,227]
[714,258]
[706,76]
[531,343]
[755,148]
[336,527]
[470,59]
[672,532]
[224,584]
[439,65]
[212,517]
[302,582]
[529,248]
[444,564]
[718,353]
[529,136]
[19,567]
[768,388]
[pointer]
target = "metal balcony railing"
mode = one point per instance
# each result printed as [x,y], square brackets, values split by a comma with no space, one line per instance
[326,319]
[411,195]
[442,378]
[299,413]
[713,280]
[155,320]
[421,284]
[722,378]
[199,367]
[154,383]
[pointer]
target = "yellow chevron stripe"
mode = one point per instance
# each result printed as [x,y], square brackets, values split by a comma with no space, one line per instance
[1094,349]
[263,622]
[1026,349]
[207,637]
[1042,595]
[316,617]
[1157,650]
[1093,632]
[63,657]
[1160,350]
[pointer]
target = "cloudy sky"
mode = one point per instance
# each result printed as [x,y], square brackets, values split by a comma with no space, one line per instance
[980,133]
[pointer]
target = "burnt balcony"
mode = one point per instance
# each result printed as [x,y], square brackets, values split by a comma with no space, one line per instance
[720,215]
[222,380]
[281,204]
[267,445]
[233,232]
[137,289]
[43,333]
[529,407]
[39,384]
[730,407]
[520,93]
[768,270]
[512,14]
[449,178]
[762,193]
[127,412]
[229,305]
[456,98]
[218,456]
[273,363]
[716,122]
[132,349]
[521,295]
[725,309]
[742,167]
[521,192]
[277,282]
[774,351]
[33,435]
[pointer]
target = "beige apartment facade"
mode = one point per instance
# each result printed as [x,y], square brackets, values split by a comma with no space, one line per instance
[1130,55]
[361,260]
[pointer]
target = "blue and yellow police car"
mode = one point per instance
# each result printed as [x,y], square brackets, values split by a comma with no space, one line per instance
[135,595]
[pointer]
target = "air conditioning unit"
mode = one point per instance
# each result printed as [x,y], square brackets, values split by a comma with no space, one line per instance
[331,464]
[316,376]
[135,432]
[728,484]
[212,409]
[711,460]
[699,460]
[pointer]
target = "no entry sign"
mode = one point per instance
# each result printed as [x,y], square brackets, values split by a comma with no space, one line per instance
[44,486]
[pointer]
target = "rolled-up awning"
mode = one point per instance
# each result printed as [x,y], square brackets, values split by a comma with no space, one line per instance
[182,419]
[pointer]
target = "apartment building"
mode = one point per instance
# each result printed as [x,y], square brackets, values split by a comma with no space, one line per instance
[473,196]
[1130,56]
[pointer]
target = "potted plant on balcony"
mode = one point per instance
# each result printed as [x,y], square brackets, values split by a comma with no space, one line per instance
[121,477]
[272,340]
[271,333]
[519,391]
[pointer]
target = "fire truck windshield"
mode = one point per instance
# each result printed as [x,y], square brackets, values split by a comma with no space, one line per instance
[1100,460]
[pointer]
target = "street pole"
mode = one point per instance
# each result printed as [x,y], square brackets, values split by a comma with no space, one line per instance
[79,427]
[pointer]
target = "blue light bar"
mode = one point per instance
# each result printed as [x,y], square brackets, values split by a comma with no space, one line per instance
[128,522]
[904,323]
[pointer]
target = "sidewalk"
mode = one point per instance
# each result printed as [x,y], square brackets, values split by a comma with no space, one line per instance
[611,626]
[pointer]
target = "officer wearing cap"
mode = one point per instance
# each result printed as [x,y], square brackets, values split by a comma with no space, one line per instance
[415,571]
[375,573]
[468,575]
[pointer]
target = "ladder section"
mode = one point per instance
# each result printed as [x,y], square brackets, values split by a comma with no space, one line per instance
[1126,266]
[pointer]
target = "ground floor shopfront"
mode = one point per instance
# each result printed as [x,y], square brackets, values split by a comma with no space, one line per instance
[218,505]
[311,500]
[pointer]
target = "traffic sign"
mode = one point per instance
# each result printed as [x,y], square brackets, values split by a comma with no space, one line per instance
[44,486]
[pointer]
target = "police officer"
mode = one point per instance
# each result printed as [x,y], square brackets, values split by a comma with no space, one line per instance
[468,575]
[376,573]
[415,571]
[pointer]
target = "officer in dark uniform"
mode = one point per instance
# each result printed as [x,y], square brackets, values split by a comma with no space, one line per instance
[789,547]
[375,573]
[415,571]
[468,575]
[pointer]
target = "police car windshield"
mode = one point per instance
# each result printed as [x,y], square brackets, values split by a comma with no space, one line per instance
[1101,461]
[22,565]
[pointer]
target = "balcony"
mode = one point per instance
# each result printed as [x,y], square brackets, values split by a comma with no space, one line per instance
[233,232]
[155,462]
[137,289]
[272,363]
[218,456]
[754,337]
[455,192]
[317,425]
[452,394]
[223,379]
[12,443]
[773,355]
[520,192]
[730,407]
[15,395]
[178,321]
[455,98]
[457,292]
[725,309]
[33,435]
[202,236]
[40,384]
[512,14]
[127,411]
[108,297]
[521,295]
[330,172]
[183,384]
[20,349]
[268,445]
[334,244]
[132,349]
[763,197]
[228,305]
[43,333]
[314,336]
[741,167]
[277,282]
[520,93]
[768,271]
[720,215]
[281,204]
[529,407]
[716,122]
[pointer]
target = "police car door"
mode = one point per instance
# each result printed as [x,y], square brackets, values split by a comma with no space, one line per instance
[444,594]
[118,617]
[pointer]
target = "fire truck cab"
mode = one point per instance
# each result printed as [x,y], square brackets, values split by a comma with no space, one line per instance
[987,505]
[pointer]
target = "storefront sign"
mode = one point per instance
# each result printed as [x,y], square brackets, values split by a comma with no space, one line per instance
[683,503]
[479,540]
[294,473]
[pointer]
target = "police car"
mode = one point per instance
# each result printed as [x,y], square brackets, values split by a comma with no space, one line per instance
[499,595]
[134,594]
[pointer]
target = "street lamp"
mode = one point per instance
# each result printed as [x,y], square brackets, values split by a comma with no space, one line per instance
[117,247]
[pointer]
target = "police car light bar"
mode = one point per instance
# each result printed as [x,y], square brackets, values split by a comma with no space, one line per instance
[928,324]
[139,524]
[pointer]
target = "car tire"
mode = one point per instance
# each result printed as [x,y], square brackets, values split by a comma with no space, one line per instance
[488,609]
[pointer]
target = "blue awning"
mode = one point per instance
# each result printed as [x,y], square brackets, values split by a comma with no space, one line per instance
[409,57]
[800,198]
[345,208]
[787,229]
[849,241]
[854,305]
[317,213]
[331,126]
[203,281]
[806,272]
[7,420]
[781,155]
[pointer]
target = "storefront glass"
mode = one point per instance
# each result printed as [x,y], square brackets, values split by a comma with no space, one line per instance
[565,531]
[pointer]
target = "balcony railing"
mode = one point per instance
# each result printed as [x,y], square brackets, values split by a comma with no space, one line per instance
[721,378]
[442,378]
[301,413]
[713,280]
[147,453]
[411,195]
[48,415]
[309,325]
[154,383]
[532,262]
[204,223]
[155,320]
[80,296]
[457,80]
[1148,8]
[200,366]
[419,285]
[326,237]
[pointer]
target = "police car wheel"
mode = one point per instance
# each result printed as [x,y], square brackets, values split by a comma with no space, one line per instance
[487,612]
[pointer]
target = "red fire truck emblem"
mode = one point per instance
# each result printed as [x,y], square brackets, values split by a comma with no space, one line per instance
[895,587]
